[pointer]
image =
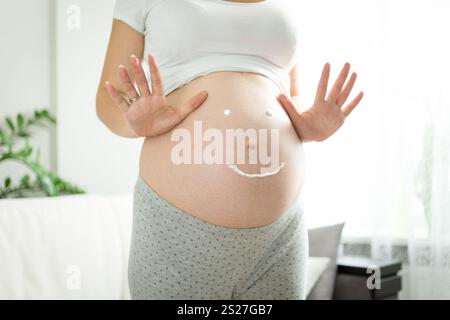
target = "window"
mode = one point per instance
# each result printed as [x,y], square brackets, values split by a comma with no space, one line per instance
[376,172]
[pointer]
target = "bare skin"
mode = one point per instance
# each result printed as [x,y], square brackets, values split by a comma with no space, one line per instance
[214,193]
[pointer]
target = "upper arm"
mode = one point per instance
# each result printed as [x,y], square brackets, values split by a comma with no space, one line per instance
[293,74]
[127,38]
[124,42]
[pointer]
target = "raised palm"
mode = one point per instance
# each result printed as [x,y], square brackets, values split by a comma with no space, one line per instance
[148,112]
[328,113]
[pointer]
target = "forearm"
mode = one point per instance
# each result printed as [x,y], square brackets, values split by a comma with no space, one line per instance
[112,118]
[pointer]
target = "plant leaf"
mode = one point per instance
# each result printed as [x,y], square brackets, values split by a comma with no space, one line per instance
[20,121]
[10,124]
[25,180]
[24,134]
[47,185]
[27,151]
[7,182]
[45,114]
[12,135]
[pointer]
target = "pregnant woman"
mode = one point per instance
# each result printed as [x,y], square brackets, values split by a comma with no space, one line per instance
[216,210]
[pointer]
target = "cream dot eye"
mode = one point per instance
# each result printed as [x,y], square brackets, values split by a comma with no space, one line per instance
[227,112]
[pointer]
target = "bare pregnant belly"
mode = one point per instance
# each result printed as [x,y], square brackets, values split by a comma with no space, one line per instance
[234,162]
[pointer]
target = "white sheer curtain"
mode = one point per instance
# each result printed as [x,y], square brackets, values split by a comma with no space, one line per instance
[428,273]
[413,179]
[387,172]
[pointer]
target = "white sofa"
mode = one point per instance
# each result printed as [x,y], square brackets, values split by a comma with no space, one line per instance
[73,247]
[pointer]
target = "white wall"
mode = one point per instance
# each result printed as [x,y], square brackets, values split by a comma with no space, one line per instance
[25,68]
[45,64]
[88,153]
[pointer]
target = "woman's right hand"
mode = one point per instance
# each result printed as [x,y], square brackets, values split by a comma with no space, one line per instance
[148,113]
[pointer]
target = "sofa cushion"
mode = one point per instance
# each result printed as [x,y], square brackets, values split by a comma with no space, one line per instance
[315,268]
[72,247]
[324,242]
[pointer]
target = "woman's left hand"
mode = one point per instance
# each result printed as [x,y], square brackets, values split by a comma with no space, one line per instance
[328,113]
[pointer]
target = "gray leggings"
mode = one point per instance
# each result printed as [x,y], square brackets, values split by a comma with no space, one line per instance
[174,255]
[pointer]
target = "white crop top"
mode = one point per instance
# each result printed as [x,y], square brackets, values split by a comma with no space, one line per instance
[191,38]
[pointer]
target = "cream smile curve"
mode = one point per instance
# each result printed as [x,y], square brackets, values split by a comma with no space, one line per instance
[236,169]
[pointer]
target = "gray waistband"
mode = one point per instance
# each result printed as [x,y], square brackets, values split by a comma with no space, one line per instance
[145,194]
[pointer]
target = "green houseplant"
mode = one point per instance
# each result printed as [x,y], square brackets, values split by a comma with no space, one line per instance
[15,146]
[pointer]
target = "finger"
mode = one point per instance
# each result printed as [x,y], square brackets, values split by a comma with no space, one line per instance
[125,79]
[157,84]
[289,106]
[192,104]
[337,87]
[139,76]
[116,97]
[347,89]
[352,105]
[323,83]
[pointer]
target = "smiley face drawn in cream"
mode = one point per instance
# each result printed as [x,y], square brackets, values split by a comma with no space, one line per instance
[235,168]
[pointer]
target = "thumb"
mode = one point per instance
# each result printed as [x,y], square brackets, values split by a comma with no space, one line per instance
[288,106]
[192,104]
[293,113]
